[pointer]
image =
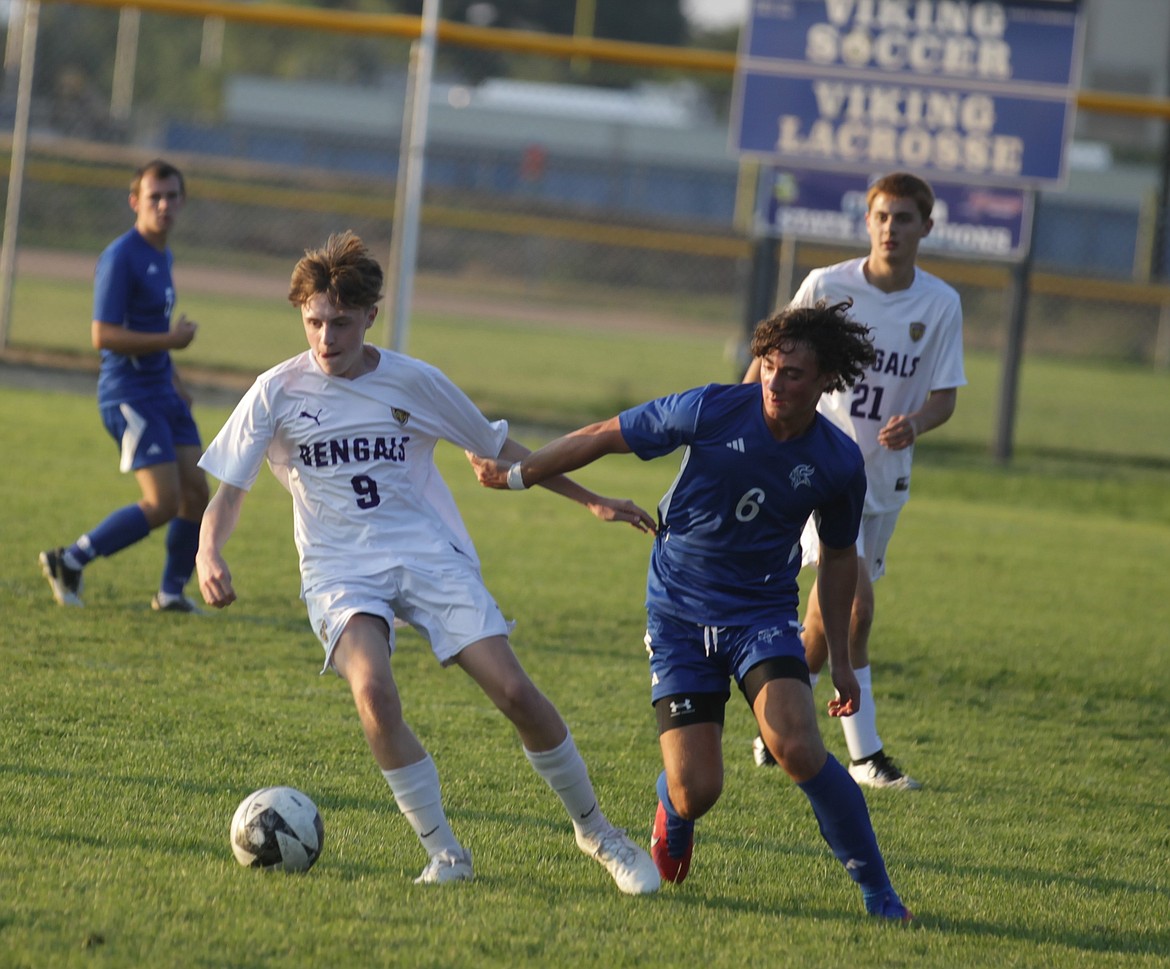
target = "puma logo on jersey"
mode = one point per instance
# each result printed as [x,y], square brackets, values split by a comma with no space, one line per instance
[315,418]
[801,475]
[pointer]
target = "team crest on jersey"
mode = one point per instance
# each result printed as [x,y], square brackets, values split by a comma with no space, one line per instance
[400,415]
[323,632]
[801,475]
[917,331]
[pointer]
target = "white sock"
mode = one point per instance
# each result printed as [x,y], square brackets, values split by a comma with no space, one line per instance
[416,792]
[565,772]
[861,734]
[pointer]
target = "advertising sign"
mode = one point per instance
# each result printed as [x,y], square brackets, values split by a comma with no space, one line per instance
[974,221]
[962,90]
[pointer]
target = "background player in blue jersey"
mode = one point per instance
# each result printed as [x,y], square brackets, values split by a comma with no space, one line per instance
[142,400]
[722,591]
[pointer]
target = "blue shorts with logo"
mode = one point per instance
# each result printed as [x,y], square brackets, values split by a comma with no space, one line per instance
[148,430]
[689,658]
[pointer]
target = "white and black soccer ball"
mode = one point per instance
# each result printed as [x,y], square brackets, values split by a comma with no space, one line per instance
[277,828]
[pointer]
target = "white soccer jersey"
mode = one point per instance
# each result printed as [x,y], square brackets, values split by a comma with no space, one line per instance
[358,458]
[918,336]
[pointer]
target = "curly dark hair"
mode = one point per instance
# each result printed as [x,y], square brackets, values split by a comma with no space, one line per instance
[842,345]
[342,269]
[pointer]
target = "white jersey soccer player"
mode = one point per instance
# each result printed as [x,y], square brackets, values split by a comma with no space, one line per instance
[366,444]
[369,505]
[915,323]
[918,336]
[350,430]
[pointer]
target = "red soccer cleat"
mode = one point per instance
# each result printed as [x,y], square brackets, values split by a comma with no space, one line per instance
[672,868]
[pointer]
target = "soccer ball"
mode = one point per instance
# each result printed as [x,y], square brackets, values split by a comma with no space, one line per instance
[277,828]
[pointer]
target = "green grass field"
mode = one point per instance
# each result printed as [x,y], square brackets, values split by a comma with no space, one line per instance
[1113,415]
[1020,650]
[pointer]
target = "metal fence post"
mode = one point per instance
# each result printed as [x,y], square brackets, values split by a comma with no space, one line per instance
[16,171]
[406,219]
[1162,338]
[1014,349]
[761,293]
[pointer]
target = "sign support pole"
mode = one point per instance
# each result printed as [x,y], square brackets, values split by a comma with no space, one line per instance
[1013,353]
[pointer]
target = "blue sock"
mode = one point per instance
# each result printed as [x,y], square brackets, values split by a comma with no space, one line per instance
[842,814]
[679,831]
[117,531]
[182,544]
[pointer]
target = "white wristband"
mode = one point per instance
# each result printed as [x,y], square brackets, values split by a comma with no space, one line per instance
[515,478]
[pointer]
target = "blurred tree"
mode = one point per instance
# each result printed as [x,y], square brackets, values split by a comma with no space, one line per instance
[647,21]
[643,21]
[717,85]
[76,46]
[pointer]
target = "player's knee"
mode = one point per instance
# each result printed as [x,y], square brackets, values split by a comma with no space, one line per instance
[801,757]
[696,795]
[378,707]
[196,495]
[520,701]
[160,510]
[862,619]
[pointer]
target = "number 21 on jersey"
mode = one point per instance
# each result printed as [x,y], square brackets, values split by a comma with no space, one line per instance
[867,402]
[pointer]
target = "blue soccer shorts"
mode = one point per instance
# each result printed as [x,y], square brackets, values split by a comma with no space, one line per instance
[148,430]
[690,658]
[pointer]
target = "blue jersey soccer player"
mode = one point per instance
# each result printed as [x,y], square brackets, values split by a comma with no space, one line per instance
[722,592]
[142,400]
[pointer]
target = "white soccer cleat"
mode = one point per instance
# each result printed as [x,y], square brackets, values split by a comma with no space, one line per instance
[447,866]
[632,869]
[879,770]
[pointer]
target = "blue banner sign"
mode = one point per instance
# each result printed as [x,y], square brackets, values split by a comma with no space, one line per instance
[974,221]
[966,90]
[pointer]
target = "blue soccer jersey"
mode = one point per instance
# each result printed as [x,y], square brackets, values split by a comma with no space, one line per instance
[133,288]
[728,545]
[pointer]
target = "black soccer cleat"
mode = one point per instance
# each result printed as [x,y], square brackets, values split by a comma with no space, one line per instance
[64,581]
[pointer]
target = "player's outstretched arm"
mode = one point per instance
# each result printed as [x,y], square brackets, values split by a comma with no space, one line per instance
[219,521]
[583,446]
[836,585]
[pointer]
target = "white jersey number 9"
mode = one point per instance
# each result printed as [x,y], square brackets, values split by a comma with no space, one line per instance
[366,488]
